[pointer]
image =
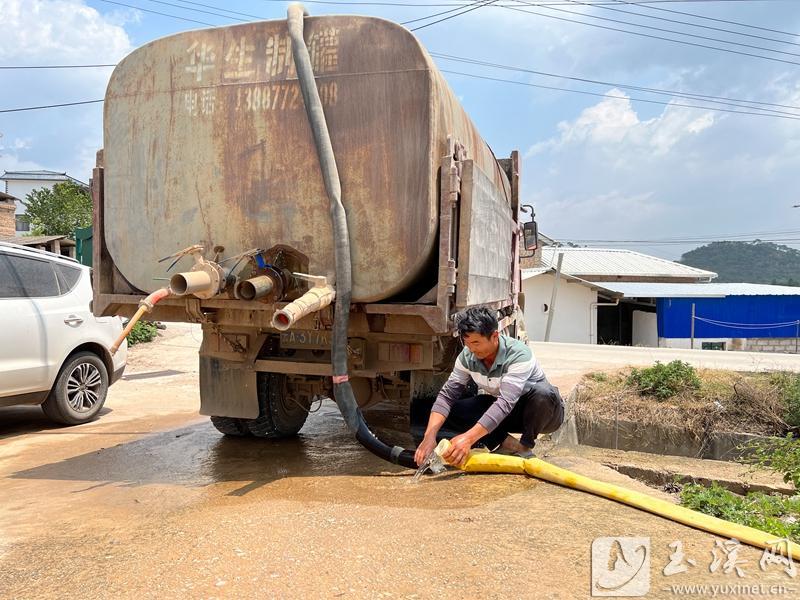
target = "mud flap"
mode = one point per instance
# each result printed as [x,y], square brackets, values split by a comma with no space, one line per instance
[227,389]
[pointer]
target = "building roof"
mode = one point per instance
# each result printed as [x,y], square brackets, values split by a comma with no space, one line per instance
[37,240]
[528,273]
[596,263]
[38,176]
[4,196]
[697,290]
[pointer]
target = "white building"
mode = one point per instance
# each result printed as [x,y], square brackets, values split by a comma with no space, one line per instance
[588,309]
[21,183]
[574,318]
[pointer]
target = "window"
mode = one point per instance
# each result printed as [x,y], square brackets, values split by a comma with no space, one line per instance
[67,277]
[21,277]
[713,346]
[22,224]
[10,282]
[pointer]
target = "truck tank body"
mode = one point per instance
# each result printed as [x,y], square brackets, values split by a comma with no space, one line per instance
[207,141]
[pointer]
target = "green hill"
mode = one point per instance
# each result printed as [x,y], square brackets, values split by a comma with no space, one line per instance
[749,262]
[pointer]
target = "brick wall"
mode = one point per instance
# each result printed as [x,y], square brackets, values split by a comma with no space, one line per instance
[781,345]
[7,219]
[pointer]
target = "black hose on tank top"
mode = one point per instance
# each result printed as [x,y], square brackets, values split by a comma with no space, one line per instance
[342,390]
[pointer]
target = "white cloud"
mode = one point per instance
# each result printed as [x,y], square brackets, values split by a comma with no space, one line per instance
[16,144]
[602,208]
[609,173]
[613,128]
[46,32]
[67,30]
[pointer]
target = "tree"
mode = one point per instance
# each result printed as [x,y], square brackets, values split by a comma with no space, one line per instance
[753,262]
[60,210]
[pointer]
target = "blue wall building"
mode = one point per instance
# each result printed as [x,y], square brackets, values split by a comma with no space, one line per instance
[727,316]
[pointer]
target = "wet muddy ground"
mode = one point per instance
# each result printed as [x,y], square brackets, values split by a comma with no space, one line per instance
[151,502]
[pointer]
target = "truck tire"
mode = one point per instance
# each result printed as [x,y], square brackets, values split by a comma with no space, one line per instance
[79,391]
[230,426]
[280,415]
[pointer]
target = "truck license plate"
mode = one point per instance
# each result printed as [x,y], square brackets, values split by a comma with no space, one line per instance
[313,340]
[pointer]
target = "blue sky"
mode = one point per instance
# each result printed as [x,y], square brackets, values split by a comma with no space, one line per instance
[607,167]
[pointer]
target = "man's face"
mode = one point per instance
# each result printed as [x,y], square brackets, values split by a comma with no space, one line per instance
[481,346]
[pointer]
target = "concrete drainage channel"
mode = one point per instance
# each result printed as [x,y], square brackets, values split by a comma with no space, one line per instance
[665,480]
[662,441]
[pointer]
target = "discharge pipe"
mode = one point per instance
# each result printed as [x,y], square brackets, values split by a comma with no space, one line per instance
[485,462]
[317,298]
[145,306]
[205,280]
[252,289]
[342,390]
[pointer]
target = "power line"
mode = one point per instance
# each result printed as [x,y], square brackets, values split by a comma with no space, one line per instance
[55,66]
[687,95]
[10,110]
[677,94]
[647,35]
[626,98]
[552,3]
[678,12]
[668,20]
[233,12]
[444,12]
[155,12]
[764,113]
[705,237]
[692,35]
[473,6]
[199,10]
[789,240]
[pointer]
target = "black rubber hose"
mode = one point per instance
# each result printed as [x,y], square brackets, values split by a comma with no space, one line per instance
[342,390]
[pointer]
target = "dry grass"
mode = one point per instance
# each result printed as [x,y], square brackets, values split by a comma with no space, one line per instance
[726,401]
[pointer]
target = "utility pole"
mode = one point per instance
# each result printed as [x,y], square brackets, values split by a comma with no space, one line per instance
[551,311]
[692,334]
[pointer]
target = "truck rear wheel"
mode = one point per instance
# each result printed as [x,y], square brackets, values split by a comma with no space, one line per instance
[230,426]
[281,415]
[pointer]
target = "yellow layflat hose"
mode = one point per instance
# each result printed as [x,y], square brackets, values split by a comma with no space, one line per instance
[486,462]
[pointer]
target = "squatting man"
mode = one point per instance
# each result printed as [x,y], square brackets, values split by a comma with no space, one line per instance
[496,388]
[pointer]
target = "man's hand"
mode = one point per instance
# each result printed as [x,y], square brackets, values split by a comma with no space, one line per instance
[459,449]
[425,447]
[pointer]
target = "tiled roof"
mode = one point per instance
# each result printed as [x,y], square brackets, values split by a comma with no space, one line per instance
[528,273]
[38,176]
[602,262]
[37,240]
[697,290]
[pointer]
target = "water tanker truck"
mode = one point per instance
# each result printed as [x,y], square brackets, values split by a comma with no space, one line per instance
[311,192]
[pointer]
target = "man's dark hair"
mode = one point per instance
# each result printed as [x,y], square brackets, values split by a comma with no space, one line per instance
[477,319]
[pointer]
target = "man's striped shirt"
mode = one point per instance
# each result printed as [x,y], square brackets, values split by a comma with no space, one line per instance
[515,370]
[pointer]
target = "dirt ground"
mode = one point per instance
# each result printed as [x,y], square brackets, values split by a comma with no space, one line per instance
[151,502]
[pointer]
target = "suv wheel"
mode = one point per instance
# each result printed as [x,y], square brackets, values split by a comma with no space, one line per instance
[80,390]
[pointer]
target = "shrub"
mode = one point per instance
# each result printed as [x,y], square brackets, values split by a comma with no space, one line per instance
[664,380]
[142,332]
[781,455]
[597,376]
[775,514]
[787,385]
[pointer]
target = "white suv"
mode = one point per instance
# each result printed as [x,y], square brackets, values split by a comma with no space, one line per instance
[53,350]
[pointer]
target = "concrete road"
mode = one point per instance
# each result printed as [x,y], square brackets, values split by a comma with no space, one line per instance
[151,502]
[566,363]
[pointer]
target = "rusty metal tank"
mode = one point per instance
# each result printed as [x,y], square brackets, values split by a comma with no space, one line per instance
[206,141]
